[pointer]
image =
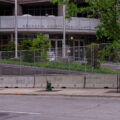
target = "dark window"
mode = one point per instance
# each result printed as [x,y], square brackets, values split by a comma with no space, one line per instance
[41,10]
[5,11]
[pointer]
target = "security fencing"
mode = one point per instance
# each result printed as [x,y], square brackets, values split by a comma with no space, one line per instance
[81,65]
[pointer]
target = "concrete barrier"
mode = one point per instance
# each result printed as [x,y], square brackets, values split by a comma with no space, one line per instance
[58,81]
[16,81]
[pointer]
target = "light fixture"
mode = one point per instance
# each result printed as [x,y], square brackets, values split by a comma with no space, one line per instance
[71,38]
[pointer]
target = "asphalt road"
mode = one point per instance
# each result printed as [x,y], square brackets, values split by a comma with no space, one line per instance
[58,108]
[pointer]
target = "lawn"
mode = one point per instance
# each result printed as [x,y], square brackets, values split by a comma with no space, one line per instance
[62,65]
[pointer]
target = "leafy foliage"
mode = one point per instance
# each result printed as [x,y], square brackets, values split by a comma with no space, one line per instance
[42,44]
[10,46]
[108,12]
[111,52]
[26,45]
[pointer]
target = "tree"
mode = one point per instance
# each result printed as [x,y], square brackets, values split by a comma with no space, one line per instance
[41,45]
[37,47]
[25,45]
[107,10]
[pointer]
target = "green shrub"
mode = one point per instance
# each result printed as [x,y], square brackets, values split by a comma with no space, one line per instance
[27,56]
[111,52]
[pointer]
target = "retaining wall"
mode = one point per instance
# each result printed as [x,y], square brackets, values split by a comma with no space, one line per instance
[58,81]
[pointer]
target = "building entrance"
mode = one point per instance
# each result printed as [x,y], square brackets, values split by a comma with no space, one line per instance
[78,50]
[56,46]
[75,51]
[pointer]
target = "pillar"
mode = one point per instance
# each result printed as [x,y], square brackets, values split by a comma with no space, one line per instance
[60,10]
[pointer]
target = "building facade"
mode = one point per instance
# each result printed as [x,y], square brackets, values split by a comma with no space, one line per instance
[41,16]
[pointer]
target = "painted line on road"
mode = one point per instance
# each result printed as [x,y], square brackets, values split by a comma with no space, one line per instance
[15,112]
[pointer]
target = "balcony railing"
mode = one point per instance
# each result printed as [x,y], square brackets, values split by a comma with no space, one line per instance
[50,22]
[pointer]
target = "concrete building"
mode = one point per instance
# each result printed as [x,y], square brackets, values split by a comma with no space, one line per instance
[41,16]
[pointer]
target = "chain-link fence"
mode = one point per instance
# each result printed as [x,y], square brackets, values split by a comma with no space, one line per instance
[81,65]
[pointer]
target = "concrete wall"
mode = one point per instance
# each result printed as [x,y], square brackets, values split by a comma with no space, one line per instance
[58,81]
[16,81]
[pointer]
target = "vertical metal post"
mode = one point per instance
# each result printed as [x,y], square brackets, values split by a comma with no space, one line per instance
[91,59]
[64,34]
[16,31]
[117,82]
[20,63]
[34,69]
[85,61]
[56,49]
[93,63]
[84,82]
[0,63]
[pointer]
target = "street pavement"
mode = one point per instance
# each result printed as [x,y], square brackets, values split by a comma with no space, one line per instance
[58,108]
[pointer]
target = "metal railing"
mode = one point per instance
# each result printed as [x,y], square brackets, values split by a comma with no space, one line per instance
[43,22]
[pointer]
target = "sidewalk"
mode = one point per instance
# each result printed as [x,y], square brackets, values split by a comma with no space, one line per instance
[61,92]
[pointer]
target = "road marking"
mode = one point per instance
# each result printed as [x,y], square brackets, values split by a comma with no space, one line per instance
[29,113]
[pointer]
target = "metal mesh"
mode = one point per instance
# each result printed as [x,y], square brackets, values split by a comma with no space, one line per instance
[83,67]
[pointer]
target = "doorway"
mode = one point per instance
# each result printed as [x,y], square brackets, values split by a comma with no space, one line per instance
[78,50]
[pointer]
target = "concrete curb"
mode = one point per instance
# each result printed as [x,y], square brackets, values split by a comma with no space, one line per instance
[63,95]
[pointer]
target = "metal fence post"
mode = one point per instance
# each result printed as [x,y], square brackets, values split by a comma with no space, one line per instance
[92,57]
[20,63]
[85,62]
[34,69]
[0,62]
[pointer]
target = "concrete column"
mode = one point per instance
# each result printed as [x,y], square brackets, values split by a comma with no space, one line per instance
[19,10]
[64,34]
[11,37]
[60,10]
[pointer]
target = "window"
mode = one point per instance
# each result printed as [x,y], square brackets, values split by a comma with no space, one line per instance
[41,10]
[5,11]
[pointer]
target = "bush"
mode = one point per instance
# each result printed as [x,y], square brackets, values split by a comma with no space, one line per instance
[111,52]
[41,44]
[27,56]
[93,55]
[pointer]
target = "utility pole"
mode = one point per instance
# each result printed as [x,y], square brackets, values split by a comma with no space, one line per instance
[16,31]
[64,34]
